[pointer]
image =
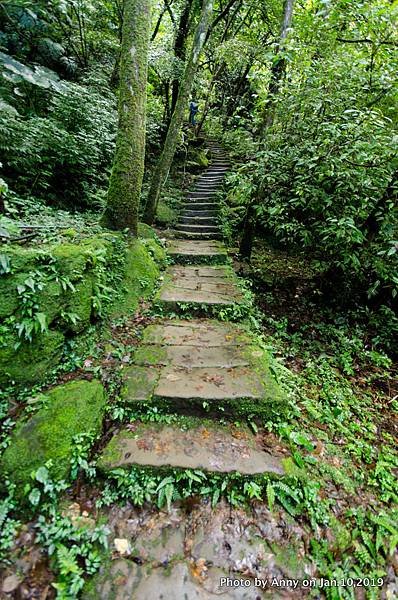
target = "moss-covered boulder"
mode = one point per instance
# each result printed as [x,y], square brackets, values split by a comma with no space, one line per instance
[24,362]
[68,286]
[70,409]
[141,274]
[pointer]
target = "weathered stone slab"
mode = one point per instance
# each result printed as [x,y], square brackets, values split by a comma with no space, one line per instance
[139,383]
[213,449]
[172,294]
[189,285]
[191,356]
[128,581]
[197,248]
[209,383]
[199,271]
[200,332]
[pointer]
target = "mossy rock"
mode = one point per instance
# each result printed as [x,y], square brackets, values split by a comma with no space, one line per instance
[140,276]
[70,409]
[165,215]
[158,253]
[80,303]
[21,259]
[30,362]
[9,299]
[146,232]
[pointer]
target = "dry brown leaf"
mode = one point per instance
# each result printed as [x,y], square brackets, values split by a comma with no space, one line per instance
[172,377]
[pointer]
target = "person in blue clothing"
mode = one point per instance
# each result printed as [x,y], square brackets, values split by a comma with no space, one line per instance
[193,110]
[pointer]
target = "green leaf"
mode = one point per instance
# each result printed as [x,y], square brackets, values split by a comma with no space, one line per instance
[270,495]
[34,497]
[41,474]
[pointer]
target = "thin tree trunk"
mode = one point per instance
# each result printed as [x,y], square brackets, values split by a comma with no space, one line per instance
[278,68]
[249,225]
[179,47]
[162,168]
[128,163]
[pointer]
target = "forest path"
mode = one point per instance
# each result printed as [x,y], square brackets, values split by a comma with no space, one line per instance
[202,364]
[212,372]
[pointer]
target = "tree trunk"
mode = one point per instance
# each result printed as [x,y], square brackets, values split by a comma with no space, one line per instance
[128,163]
[278,67]
[249,227]
[179,47]
[162,168]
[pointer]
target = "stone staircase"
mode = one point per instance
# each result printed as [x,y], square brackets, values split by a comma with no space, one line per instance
[201,367]
[199,216]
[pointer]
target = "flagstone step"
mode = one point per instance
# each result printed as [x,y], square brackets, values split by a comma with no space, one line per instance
[201,193]
[188,365]
[215,177]
[215,449]
[199,187]
[197,251]
[198,205]
[197,228]
[198,220]
[195,332]
[189,286]
[199,213]
[190,235]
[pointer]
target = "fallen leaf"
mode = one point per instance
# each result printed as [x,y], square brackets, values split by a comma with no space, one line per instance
[319,448]
[199,569]
[10,583]
[172,377]
[144,445]
[122,546]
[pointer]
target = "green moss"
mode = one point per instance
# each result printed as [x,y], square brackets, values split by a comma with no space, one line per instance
[131,272]
[80,304]
[140,276]
[8,293]
[146,232]
[158,253]
[70,409]
[30,362]
[139,384]
[151,355]
[165,215]
[21,259]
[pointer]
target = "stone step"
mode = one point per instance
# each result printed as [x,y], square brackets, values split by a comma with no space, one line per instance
[197,252]
[195,288]
[201,194]
[198,220]
[200,205]
[212,176]
[182,364]
[190,235]
[199,213]
[216,449]
[197,228]
[206,186]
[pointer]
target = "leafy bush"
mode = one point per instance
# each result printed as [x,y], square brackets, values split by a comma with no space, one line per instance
[60,153]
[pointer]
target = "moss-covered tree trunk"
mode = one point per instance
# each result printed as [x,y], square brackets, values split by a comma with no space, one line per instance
[128,164]
[163,166]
